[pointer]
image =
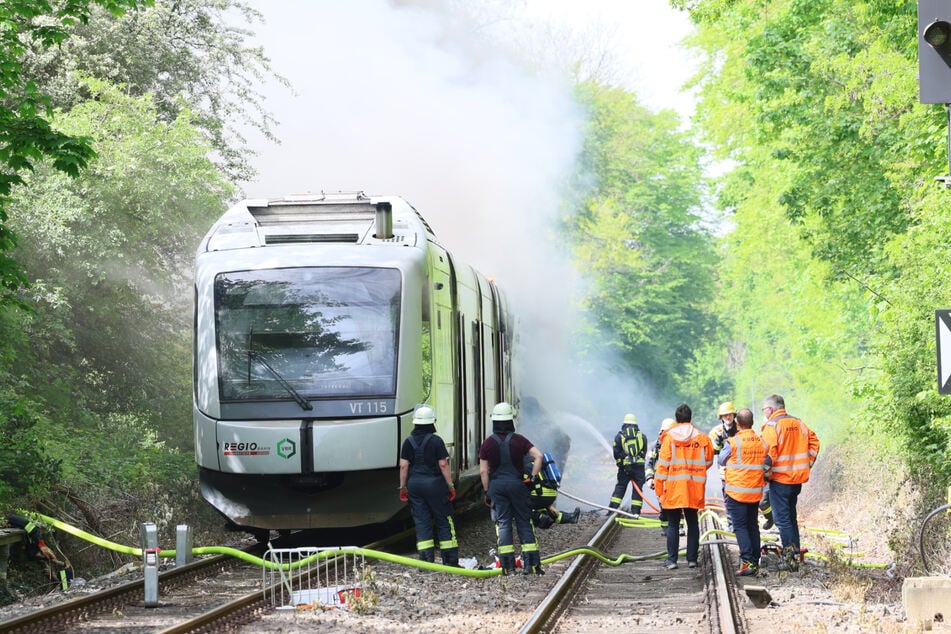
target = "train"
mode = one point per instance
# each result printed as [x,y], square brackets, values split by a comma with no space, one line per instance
[320,321]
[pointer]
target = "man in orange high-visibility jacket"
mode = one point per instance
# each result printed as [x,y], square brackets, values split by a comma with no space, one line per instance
[680,481]
[793,449]
[745,462]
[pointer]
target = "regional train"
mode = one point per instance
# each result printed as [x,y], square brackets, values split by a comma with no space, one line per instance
[319,322]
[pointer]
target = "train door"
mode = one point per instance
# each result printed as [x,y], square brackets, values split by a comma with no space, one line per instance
[504,343]
[469,309]
[443,394]
[478,393]
[488,350]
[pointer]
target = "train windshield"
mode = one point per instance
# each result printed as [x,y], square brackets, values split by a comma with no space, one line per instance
[307,332]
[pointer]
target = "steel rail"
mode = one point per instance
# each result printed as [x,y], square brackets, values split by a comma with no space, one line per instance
[727,610]
[243,608]
[82,608]
[554,602]
[722,592]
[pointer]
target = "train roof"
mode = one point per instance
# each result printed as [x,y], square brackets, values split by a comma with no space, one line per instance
[324,218]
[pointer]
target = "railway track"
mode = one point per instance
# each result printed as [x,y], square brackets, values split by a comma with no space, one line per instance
[642,593]
[578,593]
[211,594]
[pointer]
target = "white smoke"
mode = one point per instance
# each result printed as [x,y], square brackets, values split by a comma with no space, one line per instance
[419,100]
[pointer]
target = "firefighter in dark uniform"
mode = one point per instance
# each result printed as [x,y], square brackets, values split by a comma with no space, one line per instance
[501,458]
[630,451]
[36,547]
[542,496]
[424,462]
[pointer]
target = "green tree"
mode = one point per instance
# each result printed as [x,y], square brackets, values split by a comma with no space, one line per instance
[109,254]
[185,54]
[837,226]
[25,133]
[639,236]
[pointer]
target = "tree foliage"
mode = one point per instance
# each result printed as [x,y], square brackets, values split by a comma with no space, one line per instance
[639,236]
[185,54]
[25,134]
[111,288]
[833,271]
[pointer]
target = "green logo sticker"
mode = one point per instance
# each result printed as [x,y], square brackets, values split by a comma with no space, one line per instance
[286,448]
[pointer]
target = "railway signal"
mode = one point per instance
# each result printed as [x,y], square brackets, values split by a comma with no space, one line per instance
[934,60]
[934,51]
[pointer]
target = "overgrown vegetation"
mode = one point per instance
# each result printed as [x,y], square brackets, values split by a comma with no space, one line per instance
[106,190]
[833,272]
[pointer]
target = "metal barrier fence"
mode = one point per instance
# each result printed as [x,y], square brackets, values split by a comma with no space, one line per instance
[312,577]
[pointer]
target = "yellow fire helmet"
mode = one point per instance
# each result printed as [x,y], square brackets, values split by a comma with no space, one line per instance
[726,408]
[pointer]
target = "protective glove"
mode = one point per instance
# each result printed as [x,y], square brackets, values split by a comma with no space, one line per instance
[404,495]
[46,550]
[650,483]
[452,494]
[487,500]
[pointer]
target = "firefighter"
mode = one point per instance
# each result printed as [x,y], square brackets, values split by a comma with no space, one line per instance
[36,547]
[681,477]
[793,449]
[630,451]
[501,458]
[426,483]
[723,431]
[542,495]
[745,463]
[666,424]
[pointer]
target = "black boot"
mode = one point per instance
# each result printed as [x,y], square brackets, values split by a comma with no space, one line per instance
[428,555]
[450,557]
[532,564]
[768,524]
[507,563]
[571,518]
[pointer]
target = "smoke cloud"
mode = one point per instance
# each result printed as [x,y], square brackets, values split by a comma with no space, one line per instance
[419,100]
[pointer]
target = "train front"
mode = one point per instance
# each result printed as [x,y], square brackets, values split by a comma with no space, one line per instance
[307,363]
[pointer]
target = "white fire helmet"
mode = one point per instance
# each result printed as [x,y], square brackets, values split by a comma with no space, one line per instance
[424,415]
[667,424]
[503,411]
[630,419]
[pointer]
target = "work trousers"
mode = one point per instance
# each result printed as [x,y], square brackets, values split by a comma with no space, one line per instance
[628,475]
[428,503]
[744,516]
[511,503]
[691,518]
[783,498]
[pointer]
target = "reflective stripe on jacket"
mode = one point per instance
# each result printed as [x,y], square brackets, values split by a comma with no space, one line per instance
[744,471]
[792,446]
[681,475]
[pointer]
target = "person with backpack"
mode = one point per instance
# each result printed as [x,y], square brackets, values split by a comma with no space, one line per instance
[544,490]
[426,483]
[630,452]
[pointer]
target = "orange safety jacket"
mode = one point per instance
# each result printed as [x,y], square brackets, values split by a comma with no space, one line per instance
[681,476]
[792,446]
[745,469]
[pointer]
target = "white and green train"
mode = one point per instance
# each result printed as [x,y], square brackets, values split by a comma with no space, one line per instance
[320,321]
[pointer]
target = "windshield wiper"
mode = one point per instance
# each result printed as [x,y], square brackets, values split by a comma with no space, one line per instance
[280,379]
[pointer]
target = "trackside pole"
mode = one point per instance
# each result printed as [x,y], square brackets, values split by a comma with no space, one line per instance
[183,545]
[150,551]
